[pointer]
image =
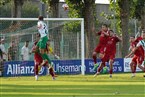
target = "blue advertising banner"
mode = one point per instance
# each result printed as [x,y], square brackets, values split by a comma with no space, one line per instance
[117,66]
[67,66]
[26,68]
[21,68]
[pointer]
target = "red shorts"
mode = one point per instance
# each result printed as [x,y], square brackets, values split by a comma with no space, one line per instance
[100,48]
[108,56]
[37,59]
[134,59]
[138,59]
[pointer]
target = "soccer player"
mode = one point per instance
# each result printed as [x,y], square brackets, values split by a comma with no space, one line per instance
[100,48]
[38,60]
[139,54]
[110,52]
[49,50]
[43,30]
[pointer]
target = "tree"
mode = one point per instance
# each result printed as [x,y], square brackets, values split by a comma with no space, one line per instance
[124,6]
[84,9]
[123,11]
[17,8]
[3,2]
[139,12]
[52,7]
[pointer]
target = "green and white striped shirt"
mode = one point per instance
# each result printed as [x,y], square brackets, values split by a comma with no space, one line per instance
[141,43]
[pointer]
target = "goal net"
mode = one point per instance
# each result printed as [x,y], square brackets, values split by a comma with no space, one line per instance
[66,39]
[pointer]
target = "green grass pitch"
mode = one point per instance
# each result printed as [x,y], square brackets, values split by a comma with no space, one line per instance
[121,85]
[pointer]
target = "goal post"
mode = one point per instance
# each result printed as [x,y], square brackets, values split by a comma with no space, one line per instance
[53,24]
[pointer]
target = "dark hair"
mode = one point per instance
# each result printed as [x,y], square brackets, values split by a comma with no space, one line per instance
[143,31]
[111,31]
[40,18]
[105,25]
[27,41]
[132,36]
[38,34]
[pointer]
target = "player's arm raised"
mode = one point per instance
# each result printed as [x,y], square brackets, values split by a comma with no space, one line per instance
[94,31]
[132,52]
[39,25]
[119,38]
[106,33]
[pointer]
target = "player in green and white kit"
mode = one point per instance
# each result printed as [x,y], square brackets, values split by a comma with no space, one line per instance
[43,30]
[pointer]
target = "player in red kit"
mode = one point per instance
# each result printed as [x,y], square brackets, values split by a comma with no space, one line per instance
[138,57]
[101,47]
[110,52]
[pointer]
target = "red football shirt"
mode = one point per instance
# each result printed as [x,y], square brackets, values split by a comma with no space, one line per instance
[103,38]
[37,56]
[138,39]
[111,44]
[139,51]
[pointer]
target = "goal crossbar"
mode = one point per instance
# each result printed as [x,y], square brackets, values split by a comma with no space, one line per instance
[50,19]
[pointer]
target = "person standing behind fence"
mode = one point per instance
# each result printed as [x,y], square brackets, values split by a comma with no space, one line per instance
[3,50]
[12,52]
[25,52]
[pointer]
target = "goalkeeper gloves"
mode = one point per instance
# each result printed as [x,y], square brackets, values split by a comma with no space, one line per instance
[57,57]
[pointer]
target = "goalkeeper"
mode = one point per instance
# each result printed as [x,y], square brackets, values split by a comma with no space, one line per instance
[49,50]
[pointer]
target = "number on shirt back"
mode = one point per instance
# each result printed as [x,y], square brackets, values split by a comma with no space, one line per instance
[45,29]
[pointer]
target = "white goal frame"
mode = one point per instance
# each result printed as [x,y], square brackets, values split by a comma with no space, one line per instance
[61,19]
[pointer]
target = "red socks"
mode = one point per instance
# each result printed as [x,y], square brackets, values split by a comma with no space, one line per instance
[36,69]
[51,71]
[95,59]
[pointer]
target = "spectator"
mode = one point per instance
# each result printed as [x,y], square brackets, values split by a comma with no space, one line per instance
[1,55]
[3,49]
[12,52]
[25,52]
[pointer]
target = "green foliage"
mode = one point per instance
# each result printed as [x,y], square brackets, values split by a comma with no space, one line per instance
[139,7]
[27,11]
[3,2]
[114,7]
[73,26]
[5,10]
[75,11]
[30,11]
[75,8]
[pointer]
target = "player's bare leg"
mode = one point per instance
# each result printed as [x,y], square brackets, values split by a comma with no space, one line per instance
[42,51]
[36,71]
[133,68]
[51,71]
[111,67]
[99,69]
[95,60]
[141,67]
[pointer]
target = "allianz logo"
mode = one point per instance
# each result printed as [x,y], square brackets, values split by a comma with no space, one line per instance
[21,69]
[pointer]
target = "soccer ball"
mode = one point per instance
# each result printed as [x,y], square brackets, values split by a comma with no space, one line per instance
[65,7]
